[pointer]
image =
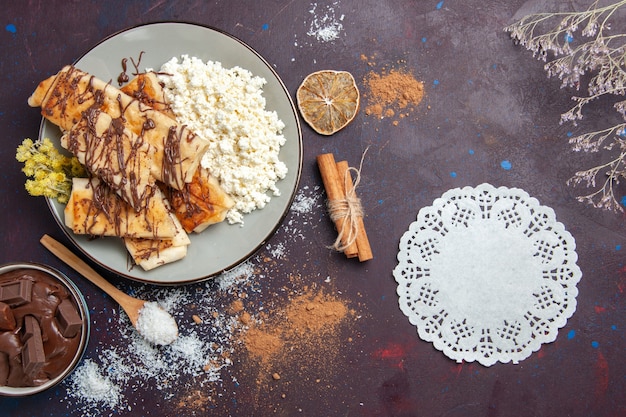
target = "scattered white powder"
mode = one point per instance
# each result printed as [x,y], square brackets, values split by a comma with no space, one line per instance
[241,273]
[325,27]
[156,325]
[304,203]
[95,389]
[128,362]
[227,108]
[277,251]
[305,209]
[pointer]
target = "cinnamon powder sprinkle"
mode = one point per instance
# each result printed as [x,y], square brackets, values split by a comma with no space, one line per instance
[195,401]
[306,315]
[393,93]
[306,332]
[313,314]
[262,344]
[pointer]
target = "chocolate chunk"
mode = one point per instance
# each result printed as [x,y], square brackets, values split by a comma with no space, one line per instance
[16,293]
[68,318]
[4,368]
[31,325]
[7,319]
[33,356]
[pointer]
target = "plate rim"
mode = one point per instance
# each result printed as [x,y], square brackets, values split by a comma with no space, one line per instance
[244,257]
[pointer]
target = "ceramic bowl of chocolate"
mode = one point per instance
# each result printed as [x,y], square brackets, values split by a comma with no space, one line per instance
[44,328]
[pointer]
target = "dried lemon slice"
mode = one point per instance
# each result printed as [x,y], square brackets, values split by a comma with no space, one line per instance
[328,100]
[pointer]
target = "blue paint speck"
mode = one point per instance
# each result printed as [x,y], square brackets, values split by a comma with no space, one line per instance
[613,327]
[568,38]
[436,82]
[506,165]
[453,174]
[11,28]
[569,134]
[618,247]
[471,152]
[440,5]
[380,201]
[571,334]
[595,344]
[265,26]
[424,39]
[624,200]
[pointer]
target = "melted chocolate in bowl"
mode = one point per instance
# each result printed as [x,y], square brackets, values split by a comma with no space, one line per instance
[44,328]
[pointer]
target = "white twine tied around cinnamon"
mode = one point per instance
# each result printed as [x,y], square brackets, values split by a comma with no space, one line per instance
[344,206]
[349,209]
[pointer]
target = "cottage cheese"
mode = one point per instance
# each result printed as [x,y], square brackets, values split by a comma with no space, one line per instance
[227,107]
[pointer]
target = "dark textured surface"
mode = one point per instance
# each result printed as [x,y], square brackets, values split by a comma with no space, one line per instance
[486,101]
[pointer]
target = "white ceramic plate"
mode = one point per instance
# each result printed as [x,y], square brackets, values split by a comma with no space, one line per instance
[220,247]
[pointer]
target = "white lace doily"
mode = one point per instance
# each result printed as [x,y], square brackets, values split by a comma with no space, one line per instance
[487,274]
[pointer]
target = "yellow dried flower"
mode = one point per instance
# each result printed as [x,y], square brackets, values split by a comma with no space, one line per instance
[50,172]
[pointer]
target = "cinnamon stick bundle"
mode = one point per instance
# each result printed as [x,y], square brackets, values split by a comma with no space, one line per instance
[345,208]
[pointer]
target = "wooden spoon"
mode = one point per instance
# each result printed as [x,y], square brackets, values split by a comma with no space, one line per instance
[131,305]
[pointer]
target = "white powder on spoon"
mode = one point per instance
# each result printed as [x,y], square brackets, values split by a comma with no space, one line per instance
[156,325]
[104,385]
